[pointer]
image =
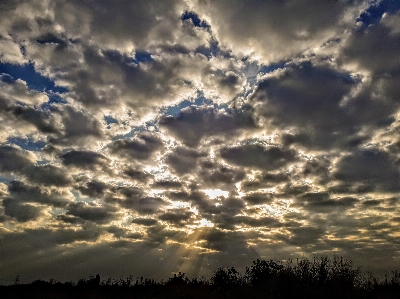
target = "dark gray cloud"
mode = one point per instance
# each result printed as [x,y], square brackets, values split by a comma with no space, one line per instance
[200,200]
[370,167]
[353,187]
[258,198]
[22,212]
[219,176]
[28,193]
[144,221]
[142,204]
[309,98]
[166,185]
[135,22]
[70,219]
[84,159]
[265,180]
[258,156]
[141,147]
[48,175]
[157,235]
[183,160]
[14,159]
[91,211]
[226,242]
[323,203]
[178,217]
[43,121]
[141,84]
[194,123]
[230,80]
[93,188]
[77,126]
[374,47]
[137,175]
[277,29]
[318,168]
[304,236]
[266,222]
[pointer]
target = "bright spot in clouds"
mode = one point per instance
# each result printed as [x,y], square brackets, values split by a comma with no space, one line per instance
[205,223]
[214,193]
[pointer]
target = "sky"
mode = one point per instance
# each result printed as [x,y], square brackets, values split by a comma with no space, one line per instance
[152,137]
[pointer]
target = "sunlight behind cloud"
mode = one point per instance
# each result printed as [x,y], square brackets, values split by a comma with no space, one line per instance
[205,223]
[214,193]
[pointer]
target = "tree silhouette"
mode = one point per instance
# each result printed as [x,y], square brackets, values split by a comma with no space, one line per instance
[320,277]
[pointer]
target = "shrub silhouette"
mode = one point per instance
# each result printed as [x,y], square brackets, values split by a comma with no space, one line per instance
[261,272]
[177,280]
[320,277]
[226,278]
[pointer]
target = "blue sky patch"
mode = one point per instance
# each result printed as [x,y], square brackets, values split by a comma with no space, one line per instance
[110,120]
[27,143]
[272,67]
[142,56]
[176,110]
[33,79]
[53,98]
[195,19]
[374,14]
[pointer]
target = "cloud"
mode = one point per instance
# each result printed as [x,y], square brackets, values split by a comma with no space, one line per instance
[10,52]
[198,199]
[322,203]
[77,125]
[48,175]
[257,222]
[91,211]
[38,118]
[166,185]
[226,242]
[93,188]
[137,23]
[157,235]
[141,147]
[28,193]
[194,123]
[22,212]
[14,159]
[178,217]
[219,176]
[308,99]
[144,221]
[265,180]
[183,160]
[373,48]
[258,156]
[137,175]
[84,159]
[258,198]
[304,235]
[135,199]
[273,30]
[15,90]
[375,168]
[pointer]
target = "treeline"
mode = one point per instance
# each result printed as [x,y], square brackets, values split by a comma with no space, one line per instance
[303,278]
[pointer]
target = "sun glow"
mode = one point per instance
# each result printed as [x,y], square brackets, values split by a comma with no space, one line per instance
[205,223]
[214,193]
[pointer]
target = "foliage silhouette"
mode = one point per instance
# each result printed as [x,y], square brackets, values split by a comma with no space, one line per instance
[320,277]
